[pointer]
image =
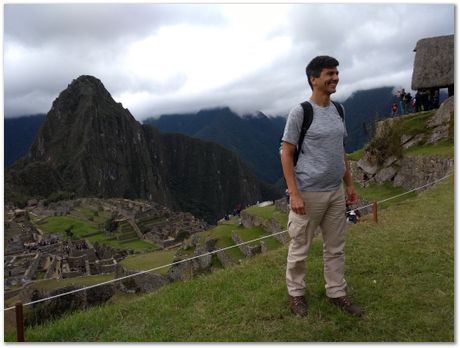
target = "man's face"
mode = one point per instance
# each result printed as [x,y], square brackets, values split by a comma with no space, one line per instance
[327,81]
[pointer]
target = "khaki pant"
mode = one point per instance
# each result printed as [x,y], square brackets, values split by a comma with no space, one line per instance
[326,210]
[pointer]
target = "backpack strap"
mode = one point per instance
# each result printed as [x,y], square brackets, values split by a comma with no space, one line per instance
[306,123]
[339,108]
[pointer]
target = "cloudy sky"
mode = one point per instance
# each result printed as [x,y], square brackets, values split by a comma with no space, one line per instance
[173,58]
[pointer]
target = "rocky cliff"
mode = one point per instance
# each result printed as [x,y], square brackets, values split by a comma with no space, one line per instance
[90,145]
[390,155]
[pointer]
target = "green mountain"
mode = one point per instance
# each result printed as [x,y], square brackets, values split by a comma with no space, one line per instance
[363,109]
[255,138]
[89,145]
[19,135]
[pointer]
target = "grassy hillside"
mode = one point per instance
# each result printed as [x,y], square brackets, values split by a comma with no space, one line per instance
[401,271]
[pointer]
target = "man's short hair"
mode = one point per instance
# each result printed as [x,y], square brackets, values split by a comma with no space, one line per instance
[317,64]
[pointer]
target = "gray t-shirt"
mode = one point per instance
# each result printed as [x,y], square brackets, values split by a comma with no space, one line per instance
[321,166]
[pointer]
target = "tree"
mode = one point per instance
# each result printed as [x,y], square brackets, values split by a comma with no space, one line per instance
[69,231]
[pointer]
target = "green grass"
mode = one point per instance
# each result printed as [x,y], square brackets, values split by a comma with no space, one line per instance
[143,262]
[444,149]
[379,192]
[85,211]
[135,245]
[400,271]
[415,124]
[232,221]
[223,233]
[58,224]
[268,213]
[51,284]
[86,229]
[247,234]
[356,155]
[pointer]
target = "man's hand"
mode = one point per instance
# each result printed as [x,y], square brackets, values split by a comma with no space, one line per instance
[352,196]
[297,204]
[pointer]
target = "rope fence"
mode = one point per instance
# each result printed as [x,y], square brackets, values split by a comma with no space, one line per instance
[208,253]
[407,192]
[150,270]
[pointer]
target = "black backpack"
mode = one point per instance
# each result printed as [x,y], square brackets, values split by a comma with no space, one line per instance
[306,123]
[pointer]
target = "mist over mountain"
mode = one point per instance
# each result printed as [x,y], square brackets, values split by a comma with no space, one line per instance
[89,145]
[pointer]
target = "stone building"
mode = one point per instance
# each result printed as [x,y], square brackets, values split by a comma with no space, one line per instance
[434,64]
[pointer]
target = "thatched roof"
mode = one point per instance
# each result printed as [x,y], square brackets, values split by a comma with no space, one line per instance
[434,63]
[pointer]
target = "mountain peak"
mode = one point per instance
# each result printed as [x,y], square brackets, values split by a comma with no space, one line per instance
[82,97]
[87,85]
[89,145]
[87,79]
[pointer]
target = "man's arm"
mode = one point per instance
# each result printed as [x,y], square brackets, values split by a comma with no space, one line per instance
[287,162]
[352,196]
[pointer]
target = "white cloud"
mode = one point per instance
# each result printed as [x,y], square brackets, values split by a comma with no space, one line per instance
[165,58]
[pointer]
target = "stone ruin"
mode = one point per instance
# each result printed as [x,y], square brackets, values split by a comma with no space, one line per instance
[31,256]
[41,312]
[169,229]
[272,225]
[153,222]
[246,249]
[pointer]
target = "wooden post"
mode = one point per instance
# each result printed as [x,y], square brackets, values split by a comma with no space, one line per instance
[19,322]
[375,212]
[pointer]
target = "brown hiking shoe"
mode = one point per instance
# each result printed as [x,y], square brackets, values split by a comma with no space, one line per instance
[298,305]
[345,304]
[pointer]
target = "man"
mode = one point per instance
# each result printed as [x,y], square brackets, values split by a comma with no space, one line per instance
[402,103]
[315,189]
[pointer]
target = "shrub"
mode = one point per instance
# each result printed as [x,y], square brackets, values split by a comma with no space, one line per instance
[386,143]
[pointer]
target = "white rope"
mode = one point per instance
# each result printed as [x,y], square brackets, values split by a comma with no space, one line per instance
[147,271]
[209,253]
[405,193]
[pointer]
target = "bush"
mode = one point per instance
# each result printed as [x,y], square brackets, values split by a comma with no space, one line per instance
[386,143]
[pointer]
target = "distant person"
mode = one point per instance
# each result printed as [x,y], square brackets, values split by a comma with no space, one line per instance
[237,210]
[425,100]
[402,103]
[317,197]
[394,110]
[436,99]
[418,101]
[408,102]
